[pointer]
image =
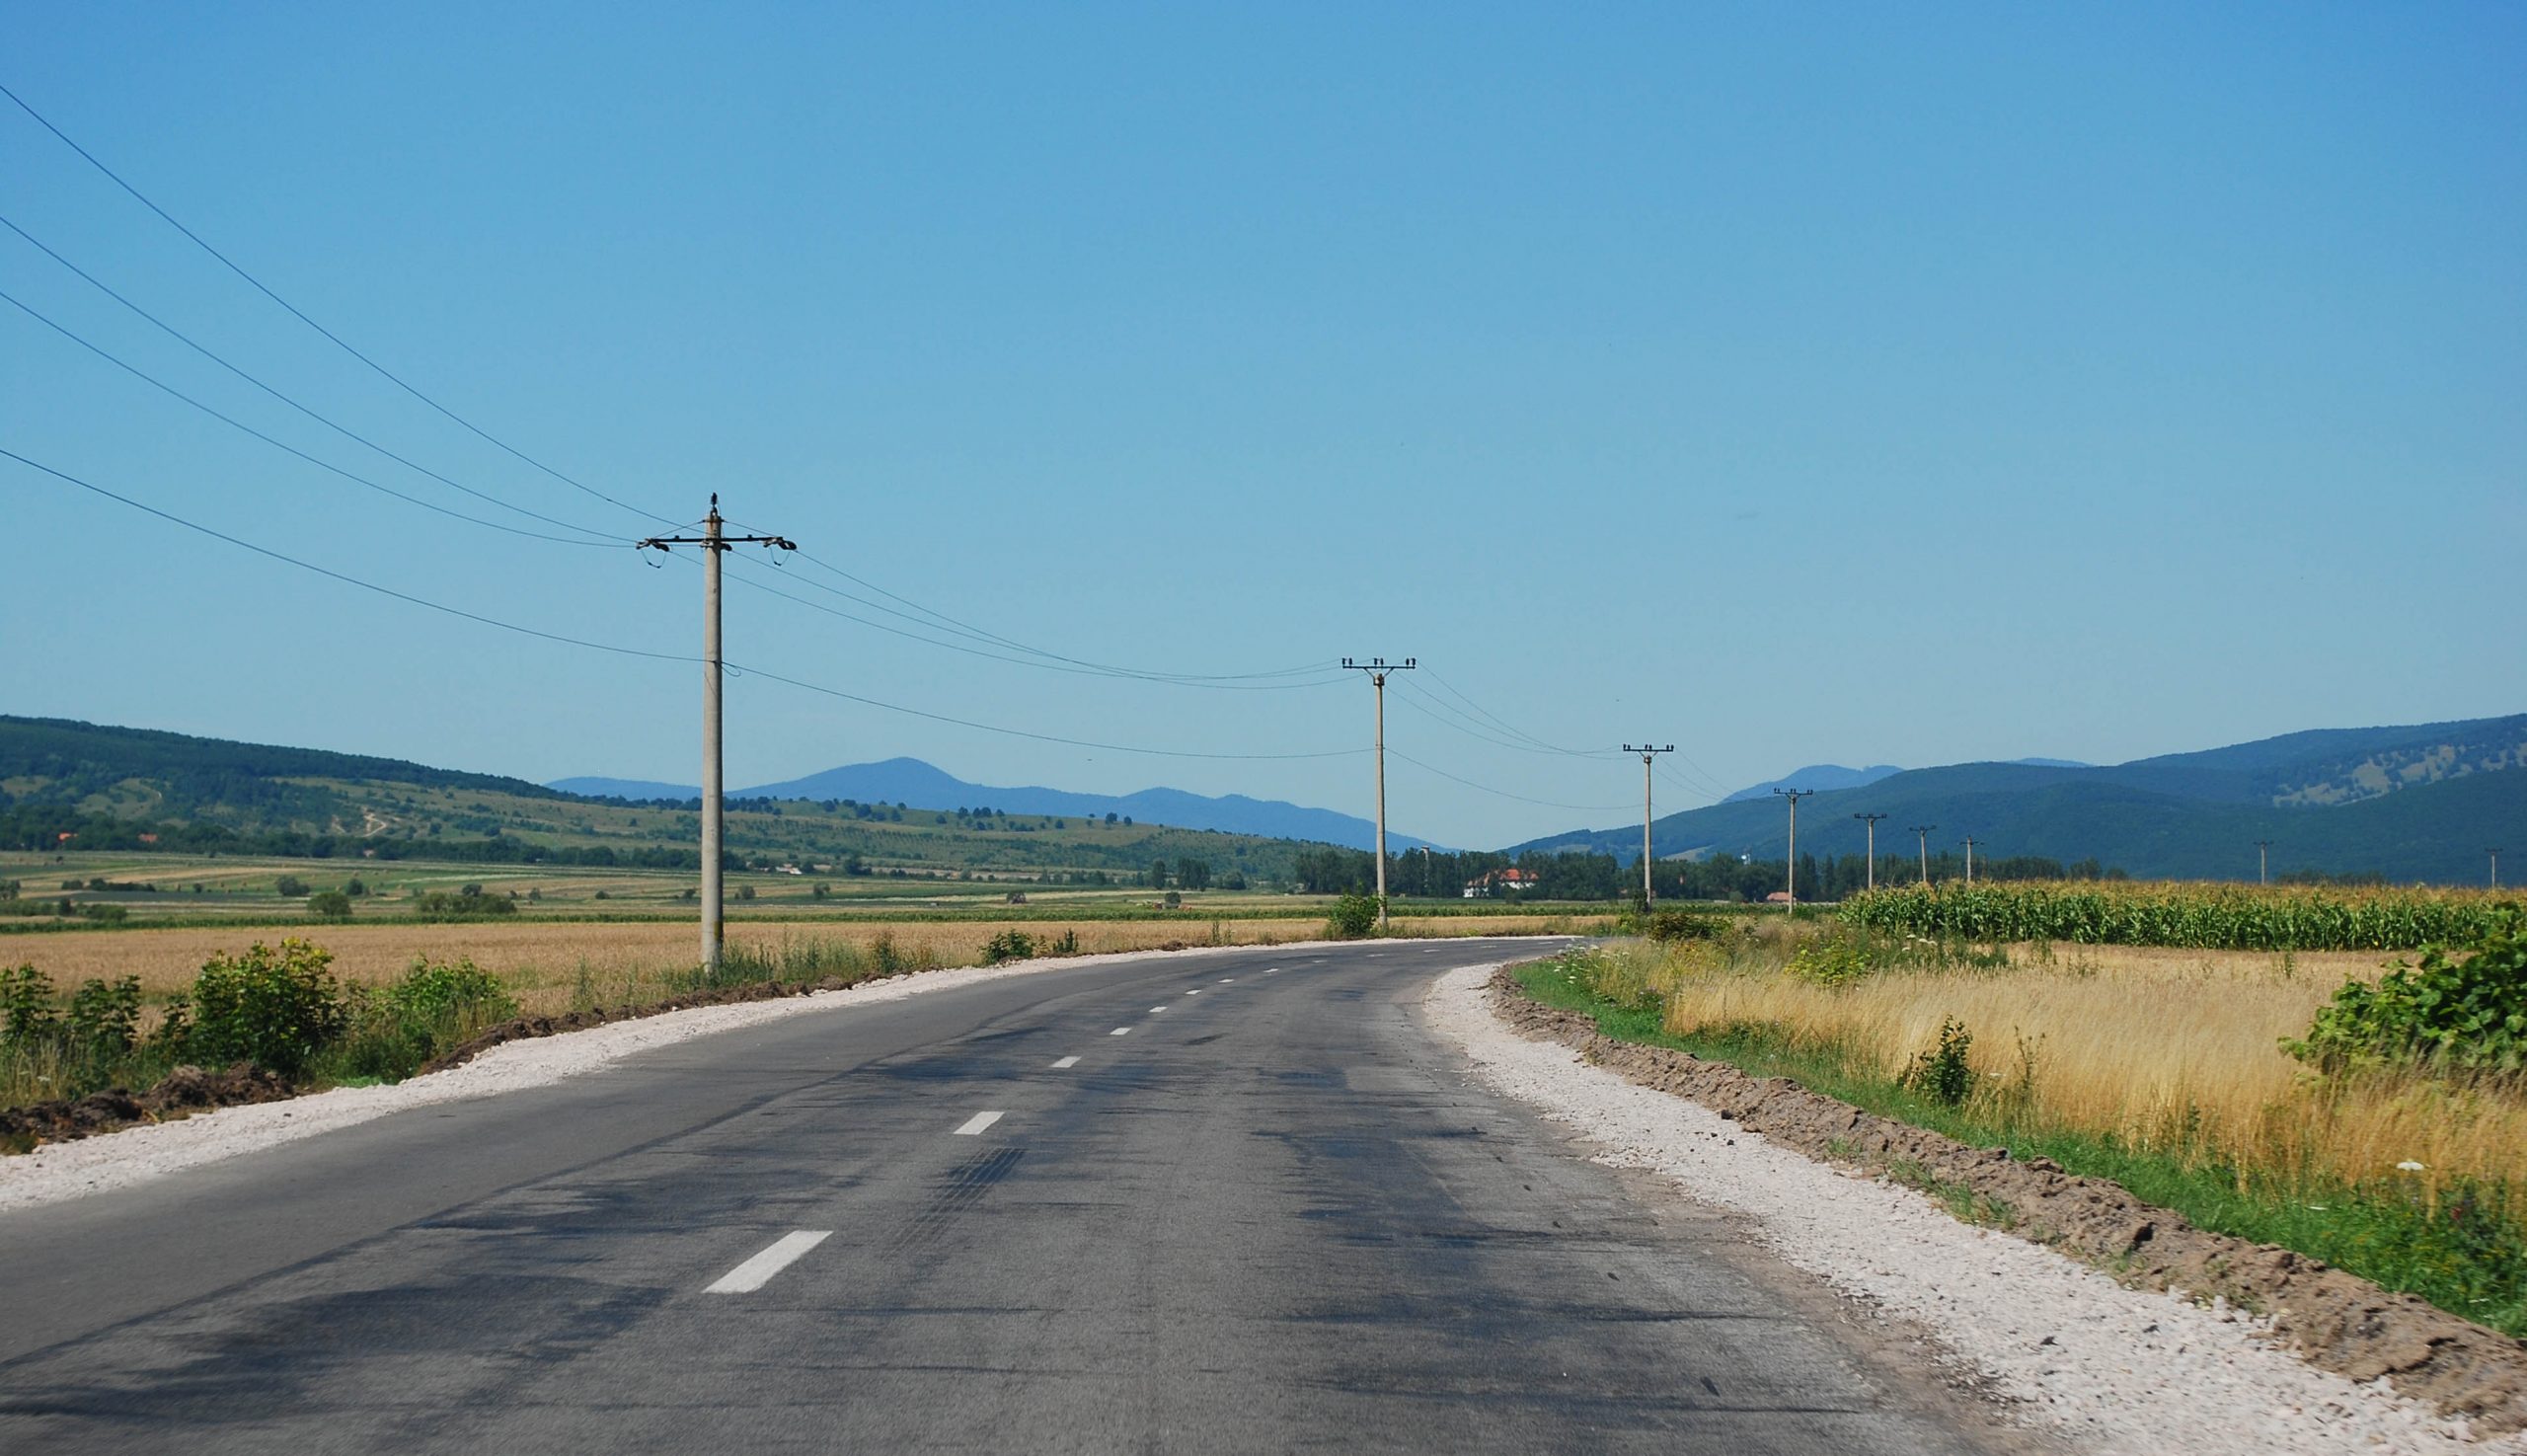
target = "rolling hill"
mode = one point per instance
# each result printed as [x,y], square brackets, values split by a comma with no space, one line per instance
[118,788]
[2420,802]
[918,785]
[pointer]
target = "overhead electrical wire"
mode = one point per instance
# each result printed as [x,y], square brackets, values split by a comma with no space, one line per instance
[337,426]
[293,310]
[942,622]
[957,646]
[1503,793]
[236,423]
[505,446]
[630,652]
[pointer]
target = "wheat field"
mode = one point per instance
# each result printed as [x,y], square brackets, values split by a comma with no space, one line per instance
[2174,1051]
[549,964]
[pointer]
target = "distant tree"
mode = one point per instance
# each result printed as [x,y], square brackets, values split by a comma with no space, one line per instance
[330,904]
[1194,873]
[1157,875]
[289,885]
[1110,816]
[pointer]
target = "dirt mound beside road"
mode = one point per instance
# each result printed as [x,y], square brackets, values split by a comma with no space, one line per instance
[2338,1321]
[181,1093]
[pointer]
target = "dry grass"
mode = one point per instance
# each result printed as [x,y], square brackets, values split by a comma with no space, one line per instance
[547,965]
[2172,1052]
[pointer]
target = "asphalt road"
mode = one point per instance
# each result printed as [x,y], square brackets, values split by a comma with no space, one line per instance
[1273,1215]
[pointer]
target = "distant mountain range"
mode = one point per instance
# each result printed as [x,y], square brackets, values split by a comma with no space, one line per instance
[2420,801]
[918,785]
[1820,776]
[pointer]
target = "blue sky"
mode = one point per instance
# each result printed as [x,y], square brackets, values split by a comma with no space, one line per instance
[1871,384]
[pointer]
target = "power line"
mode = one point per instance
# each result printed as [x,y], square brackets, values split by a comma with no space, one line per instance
[172,332]
[236,423]
[1050,666]
[337,339]
[940,622]
[1503,793]
[427,398]
[741,668]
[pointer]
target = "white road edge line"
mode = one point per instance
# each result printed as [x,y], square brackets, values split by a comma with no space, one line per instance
[976,1123]
[1068,1061]
[1121,1031]
[757,1271]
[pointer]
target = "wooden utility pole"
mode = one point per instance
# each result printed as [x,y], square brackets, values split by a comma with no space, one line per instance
[1970,862]
[1648,756]
[1377,669]
[1924,830]
[2261,864]
[714,543]
[1794,795]
[1872,821]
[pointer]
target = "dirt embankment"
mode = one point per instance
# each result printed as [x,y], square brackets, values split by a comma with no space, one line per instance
[180,1094]
[2338,1321]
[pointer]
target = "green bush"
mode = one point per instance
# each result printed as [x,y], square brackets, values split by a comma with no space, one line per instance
[289,887]
[27,1014]
[1353,917]
[1942,1073]
[2464,1016]
[1668,926]
[469,903]
[1009,944]
[1835,960]
[276,1008]
[433,1007]
[330,904]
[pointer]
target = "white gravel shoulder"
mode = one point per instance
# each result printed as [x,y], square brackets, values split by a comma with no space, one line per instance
[2111,1370]
[113,1160]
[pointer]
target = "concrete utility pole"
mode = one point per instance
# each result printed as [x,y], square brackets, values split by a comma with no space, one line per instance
[2494,852]
[2262,848]
[1924,830]
[713,543]
[1872,821]
[1970,862]
[1794,795]
[1377,669]
[1648,756]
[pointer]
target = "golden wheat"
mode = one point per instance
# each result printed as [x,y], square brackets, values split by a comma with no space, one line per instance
[2175,1051]
[548,965]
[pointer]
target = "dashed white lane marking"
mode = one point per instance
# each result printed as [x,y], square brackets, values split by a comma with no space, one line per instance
[1272,971]
[1224,980]
[1068,1061]
[1197,991]
[1121,1031]
[1156,1010]
[976,1123]
[757,1271]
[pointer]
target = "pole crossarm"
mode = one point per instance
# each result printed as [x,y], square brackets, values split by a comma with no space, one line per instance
[1377,669]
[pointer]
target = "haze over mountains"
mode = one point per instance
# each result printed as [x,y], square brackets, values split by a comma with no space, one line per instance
[918,785]
[2420,802]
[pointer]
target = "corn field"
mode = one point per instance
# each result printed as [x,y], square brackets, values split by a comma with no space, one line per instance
[2209,917]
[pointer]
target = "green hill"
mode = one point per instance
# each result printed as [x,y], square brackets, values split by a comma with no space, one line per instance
[137,788]
[2417,802]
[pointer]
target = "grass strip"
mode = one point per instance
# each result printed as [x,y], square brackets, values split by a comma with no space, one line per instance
[2467,1256]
